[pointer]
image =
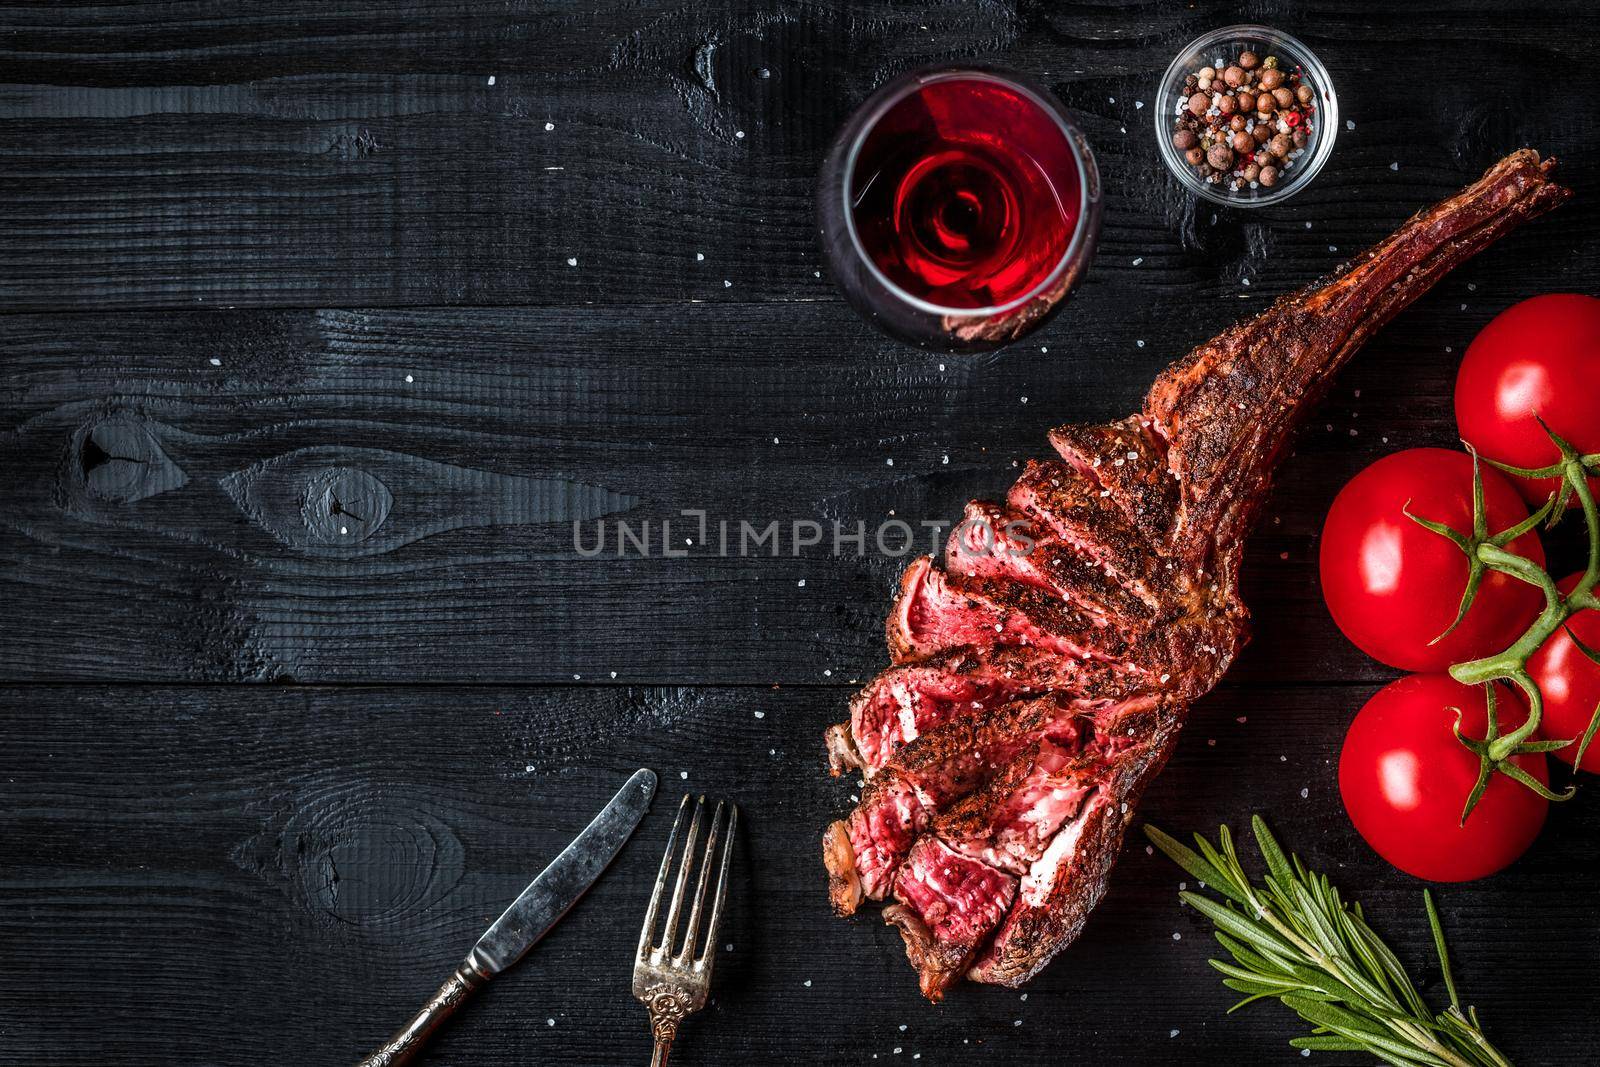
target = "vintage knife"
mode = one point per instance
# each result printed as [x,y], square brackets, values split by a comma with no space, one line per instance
[530,916]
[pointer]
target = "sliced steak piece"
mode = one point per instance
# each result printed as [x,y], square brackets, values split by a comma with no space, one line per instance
[995,541]
[1064,883]
[1075,507]
[880,833]
[1129,462]
[936,611]
[907,700]
[864,850]
[904,701]
[948,905]
[1008,823]
[1055,897]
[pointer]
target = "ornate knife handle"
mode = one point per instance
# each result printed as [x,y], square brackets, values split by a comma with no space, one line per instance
[410,1038]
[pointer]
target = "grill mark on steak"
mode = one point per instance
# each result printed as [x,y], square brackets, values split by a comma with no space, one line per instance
[1129,462]
[1075,507]
[994,541]
[936,611]
[906,701]
[1197,463]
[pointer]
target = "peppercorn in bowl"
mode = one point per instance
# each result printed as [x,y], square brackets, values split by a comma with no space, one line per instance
[1246,115]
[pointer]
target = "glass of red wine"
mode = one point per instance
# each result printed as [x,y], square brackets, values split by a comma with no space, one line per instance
[959,208]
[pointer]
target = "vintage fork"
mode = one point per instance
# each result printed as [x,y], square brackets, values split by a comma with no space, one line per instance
[673,985]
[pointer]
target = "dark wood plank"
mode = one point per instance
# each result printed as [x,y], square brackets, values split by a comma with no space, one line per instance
[209,875]
[204,154]
[170,481]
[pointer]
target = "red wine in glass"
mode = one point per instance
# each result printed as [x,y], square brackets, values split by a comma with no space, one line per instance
[959,208]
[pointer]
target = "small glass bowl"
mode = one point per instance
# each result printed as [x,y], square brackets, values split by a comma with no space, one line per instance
[1225,44]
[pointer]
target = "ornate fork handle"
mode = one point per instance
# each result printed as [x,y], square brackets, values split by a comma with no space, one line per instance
[667,1010]
[409,1039]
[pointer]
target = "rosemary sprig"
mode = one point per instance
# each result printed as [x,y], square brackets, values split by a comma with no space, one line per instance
[1292,937]
[1487,551]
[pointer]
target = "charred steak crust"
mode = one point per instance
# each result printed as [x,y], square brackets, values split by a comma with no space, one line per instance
[1036,694]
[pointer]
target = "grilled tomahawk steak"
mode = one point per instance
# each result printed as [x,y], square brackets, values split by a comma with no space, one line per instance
[1043,666]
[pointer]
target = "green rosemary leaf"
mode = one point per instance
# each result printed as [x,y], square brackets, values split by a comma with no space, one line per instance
[1228,874]
[1250,932]
[1327,1043]
[1264,981]
[1321,929]
[1279,867]
[1246,956]
[1439,947]
[1192,862]
[1251,999]
[1391,965]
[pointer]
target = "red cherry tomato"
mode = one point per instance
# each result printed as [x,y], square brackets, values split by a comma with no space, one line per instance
[1393,586]
[1540,357]
[1570,682]
[1404,779]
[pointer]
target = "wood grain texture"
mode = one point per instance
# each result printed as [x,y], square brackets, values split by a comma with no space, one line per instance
[266,496]
[247,875]
[315,339]
[206,154]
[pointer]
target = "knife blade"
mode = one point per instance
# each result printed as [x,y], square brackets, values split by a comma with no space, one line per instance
[535,911]
[558,887]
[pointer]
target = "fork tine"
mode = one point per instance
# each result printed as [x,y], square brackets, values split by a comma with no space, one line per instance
[722,889]
[670,933]
[647,935]
[700,891]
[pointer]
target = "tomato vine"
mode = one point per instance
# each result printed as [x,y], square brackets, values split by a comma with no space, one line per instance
[1486,550]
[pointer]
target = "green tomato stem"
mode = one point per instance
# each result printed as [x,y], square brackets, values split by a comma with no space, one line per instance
[1511,664]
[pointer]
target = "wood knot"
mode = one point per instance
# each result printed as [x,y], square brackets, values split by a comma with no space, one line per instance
[118,460]
[345,505]
[370,857]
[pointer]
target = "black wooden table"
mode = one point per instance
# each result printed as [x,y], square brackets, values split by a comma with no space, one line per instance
[324,319]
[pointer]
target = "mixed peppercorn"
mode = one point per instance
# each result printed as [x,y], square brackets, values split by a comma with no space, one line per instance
[1245,124]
